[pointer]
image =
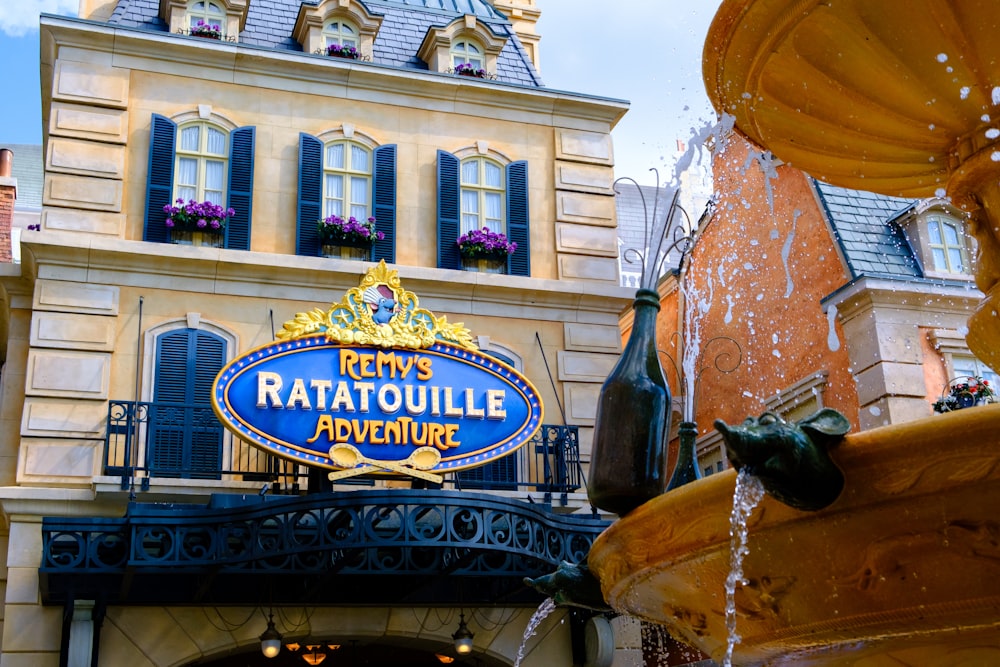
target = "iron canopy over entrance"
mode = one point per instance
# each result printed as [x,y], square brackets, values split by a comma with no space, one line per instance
[386,547]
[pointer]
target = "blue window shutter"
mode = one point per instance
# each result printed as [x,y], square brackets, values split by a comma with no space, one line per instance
[184,436]
[518,264]
[448,211]
[385,203]
[241,143]
[160,177]
[310,194]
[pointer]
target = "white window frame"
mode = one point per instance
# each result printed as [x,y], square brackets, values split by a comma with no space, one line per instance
[349,175]
[336,35]
[480,192]
[914,223]
[206,14]
[467,51]
[203,158]
[943,224]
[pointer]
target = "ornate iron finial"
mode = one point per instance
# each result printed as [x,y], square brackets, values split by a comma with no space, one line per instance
[662,235]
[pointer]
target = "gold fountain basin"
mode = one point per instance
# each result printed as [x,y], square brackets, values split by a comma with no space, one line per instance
[903,569]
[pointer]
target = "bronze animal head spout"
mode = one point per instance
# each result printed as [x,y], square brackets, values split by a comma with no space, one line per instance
[790,459]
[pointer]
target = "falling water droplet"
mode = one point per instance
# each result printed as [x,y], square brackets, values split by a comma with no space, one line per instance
[832,340]
[942,57]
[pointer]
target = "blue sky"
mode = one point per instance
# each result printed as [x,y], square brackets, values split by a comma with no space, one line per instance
[653,61]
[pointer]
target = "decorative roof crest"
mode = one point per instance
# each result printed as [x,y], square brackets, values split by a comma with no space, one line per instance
[380,313]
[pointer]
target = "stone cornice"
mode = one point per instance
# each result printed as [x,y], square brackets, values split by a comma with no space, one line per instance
[864,293]
[103,260]
[227,62]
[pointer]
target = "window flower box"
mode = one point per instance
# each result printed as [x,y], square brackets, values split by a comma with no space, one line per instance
[197,223]
[203,239]
[206,30]
[347,239]
[465,69]
[342,51]
[485,250]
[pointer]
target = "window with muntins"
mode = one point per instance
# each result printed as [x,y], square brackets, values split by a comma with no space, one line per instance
[202,161]
[341,33]
[466,52]
[947,245]
[462,206]
[208,12]
[184,163]
[347,175]
[970,366]
[483,192]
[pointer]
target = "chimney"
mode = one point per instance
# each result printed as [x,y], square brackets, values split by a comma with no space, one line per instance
[8,194]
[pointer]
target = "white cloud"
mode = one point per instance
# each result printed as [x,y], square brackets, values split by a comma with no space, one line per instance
[18,17]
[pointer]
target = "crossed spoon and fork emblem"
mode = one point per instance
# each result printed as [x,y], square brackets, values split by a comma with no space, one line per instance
[355,463]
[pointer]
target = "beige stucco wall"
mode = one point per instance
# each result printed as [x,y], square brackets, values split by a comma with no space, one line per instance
[103,98]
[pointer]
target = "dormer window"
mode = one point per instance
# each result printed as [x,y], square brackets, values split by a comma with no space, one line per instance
[220,19]
[937,235]
[947,245]
[344,28]
[464,46]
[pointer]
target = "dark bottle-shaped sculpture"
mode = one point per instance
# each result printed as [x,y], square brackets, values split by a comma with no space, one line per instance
[628,460]
[687,469]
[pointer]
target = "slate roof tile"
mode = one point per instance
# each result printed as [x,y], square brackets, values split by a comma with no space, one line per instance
[870,243]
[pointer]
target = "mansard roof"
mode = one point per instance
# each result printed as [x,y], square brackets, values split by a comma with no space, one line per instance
[269,24]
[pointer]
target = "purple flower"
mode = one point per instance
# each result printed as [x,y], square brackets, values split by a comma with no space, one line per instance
[334,230]
[194,216]
[485,243]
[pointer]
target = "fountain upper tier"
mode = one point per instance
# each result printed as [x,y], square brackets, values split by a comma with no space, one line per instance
[890,96]
[900,97]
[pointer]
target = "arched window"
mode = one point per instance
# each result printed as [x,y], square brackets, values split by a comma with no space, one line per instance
[185,437]
[467,52]
[340,32]
[205,12]
[476,191]
[483,192]
[202,156]
[946,245]
[201,160]
[347,176]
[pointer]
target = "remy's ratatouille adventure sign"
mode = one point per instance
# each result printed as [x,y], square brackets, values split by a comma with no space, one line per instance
[377,384]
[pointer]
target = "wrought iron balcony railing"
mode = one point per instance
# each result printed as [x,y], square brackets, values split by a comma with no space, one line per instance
[170,440]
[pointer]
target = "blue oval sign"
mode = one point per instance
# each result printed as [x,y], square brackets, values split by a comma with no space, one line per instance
[307,397]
